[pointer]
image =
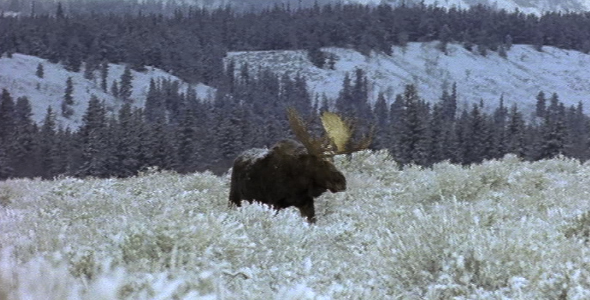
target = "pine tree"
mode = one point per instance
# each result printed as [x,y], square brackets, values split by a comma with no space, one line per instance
[498,131]
[24,149]
[7,120]
[7,134]
[381,120]
[126,87]
[40,71]
[93,137]
[553,130]
[444,37]
[115,89]
[541,105]
[68,100]
[155,108]
[104,74]
[414,138]
[127,144]
[188,142]
[47,141]
[515,133]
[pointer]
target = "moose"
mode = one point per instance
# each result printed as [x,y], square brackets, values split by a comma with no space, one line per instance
[294,172]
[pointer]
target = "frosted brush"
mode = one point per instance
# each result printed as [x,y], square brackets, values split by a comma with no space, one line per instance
[294,172]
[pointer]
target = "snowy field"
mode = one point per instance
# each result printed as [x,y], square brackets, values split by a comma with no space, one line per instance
[500,230]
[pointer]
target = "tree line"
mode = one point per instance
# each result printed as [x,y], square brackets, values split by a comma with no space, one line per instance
[176,130]
[191,42]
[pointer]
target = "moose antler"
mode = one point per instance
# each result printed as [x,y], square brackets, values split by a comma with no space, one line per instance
[337,139]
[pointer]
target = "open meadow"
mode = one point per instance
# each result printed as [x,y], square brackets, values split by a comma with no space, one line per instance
[504,229]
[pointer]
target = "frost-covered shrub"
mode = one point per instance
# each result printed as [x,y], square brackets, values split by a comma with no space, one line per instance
[579,227]
[503,229]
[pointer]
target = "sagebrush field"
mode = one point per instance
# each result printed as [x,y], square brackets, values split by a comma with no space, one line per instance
[504,229]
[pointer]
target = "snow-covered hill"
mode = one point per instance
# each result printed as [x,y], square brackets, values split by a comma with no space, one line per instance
[526,6]
[518,78]
[17,75]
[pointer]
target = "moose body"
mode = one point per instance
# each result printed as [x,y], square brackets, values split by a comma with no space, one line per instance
[294,172]
[284,176]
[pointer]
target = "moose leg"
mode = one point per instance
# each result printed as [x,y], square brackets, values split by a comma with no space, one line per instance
[307,210]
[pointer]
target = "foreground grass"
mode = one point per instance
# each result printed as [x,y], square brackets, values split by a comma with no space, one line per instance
[503,229]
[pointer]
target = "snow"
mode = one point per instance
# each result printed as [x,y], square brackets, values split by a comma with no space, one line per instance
[503,229]
[537,7]
[17,75]
[517,78]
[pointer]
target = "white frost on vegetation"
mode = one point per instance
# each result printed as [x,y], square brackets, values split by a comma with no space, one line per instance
[504,229]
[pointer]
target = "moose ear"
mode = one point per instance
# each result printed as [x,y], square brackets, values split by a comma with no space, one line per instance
[338,131]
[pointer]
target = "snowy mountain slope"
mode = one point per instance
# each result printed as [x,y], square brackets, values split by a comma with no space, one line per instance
[17,75]
[526,6]
[518,78]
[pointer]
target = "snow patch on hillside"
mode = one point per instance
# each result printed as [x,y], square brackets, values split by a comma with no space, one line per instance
[517,78]
[537,7]
[17,75]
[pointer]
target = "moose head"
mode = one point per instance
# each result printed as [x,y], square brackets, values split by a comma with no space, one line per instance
[294,172]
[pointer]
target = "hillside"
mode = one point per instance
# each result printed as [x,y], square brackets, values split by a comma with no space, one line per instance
[17,75]
[518,78]
[537,7]
[503,229]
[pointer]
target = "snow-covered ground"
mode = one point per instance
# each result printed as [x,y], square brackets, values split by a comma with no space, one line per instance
[504,229]
[17,75]
[518,78]
[537,7]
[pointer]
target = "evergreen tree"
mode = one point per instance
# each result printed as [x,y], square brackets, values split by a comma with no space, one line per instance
[413,135]
[515,133]
[188,142]
[444,37]
[7,119]
[128,142]
[498,131]
[104,74]
[23,150]
[47,141]
[381,120]
[126,87]
[553,130]
[7,134]
[40,71]
[93,137]
[541,105]
[476,141]
[68,100]
[155,108]
[115,89]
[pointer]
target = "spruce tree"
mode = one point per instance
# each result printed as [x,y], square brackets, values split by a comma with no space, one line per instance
[47,141]
[40,70]
[93,137]
[413,136]
[104,74]
[24,156]
[515,133]
[68,99]
[126,85]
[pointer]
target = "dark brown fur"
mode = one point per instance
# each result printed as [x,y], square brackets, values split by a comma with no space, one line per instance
[285,176]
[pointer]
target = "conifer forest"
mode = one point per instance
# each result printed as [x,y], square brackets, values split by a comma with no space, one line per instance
[177,130]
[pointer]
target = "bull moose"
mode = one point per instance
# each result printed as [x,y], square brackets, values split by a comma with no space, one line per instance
[294,172]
